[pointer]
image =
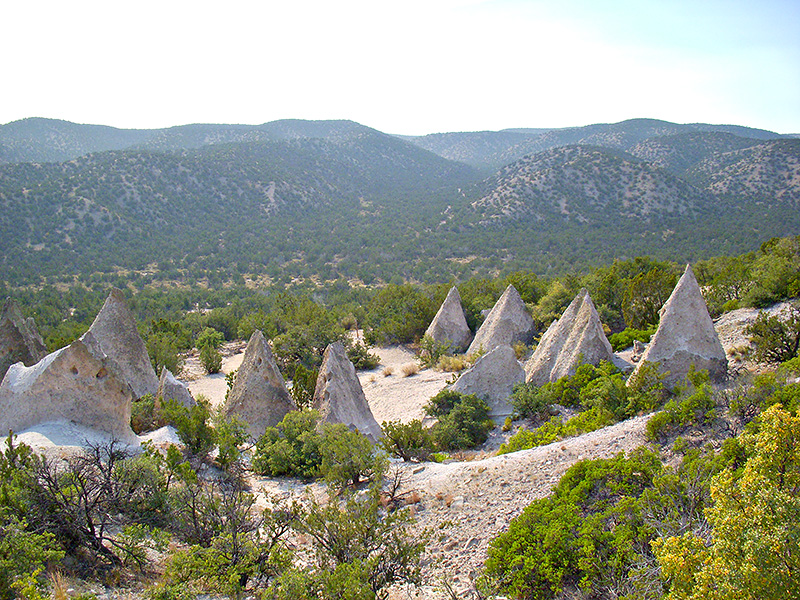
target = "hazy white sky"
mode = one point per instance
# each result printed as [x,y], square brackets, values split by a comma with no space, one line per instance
[410,67]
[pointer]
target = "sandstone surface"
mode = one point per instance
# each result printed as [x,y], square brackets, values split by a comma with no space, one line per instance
[685,336]
[19,339]
[170,388]
[115,330]
[507,323]
[492,378]
[339,397]
[449,326]
[74,384]
[259,395]
[576,338]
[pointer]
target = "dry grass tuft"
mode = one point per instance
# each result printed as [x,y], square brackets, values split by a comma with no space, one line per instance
[410,369]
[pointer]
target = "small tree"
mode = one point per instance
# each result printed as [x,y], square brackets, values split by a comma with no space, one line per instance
[776,339]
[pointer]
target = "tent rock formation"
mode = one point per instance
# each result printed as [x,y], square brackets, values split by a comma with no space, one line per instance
[114,328]
[449,326]
[685,336]
[259,394]
[507,323]
[574,339]
[339,397]
[169,388]
[19,339]
[77,383]
[492,378]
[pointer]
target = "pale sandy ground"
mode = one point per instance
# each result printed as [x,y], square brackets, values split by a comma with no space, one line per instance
[213,386]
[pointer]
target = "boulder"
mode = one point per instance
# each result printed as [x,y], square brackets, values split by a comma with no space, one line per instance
[492,378]
[685,336]
[75,384]
[170,388]
[259,394]
[339,397]
[574,339]
[19,339]
[114,328]
[507,323]
[449,326]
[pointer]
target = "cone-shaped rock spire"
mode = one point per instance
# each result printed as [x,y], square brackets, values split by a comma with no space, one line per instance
[259,394]
[114,328]
[576,338]
[339,397]
[507,323]
[19,339]
[492,378]
[449,326]
[685,336]
[169,388]
[76,383]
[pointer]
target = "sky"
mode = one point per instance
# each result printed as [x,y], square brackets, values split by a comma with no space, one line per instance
[405,67]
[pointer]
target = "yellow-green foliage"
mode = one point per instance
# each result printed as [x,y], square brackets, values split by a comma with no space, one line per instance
[753,551]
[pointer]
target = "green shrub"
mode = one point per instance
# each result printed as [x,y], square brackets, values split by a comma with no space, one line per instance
[696,404]
[144,416]
[442,403]
[776,339]
[430,351]
[209,337]
[409,441]
[304,383]
[211,359]
[625,338]
[553,430]
[466,425]
[587,535]
[361,357]
[530,402]
[348,457]
[192,425]
[291,448]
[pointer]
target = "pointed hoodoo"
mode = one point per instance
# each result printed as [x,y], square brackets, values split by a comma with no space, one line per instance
[339,397]
[685,336]
[114,328]
[259,395]
[507,323]
[492,379]
[576,338]
[449,326]
[19,339]
[169,388]
[76,383]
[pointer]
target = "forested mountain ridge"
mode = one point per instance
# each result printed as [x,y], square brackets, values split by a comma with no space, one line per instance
[490,149]
[328,199]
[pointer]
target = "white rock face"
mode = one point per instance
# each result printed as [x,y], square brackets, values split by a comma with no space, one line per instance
[574,339]
[169,388]
[492,378]
[339,397]
[19,338]
[449,326]
[259,394]
[76,383]
[115,330]
[685,336]
[507,323]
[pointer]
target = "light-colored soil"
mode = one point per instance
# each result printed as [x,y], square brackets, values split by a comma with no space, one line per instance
[213,386]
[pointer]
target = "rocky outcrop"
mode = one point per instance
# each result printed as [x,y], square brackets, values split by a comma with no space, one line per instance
[449,326]
[574,339]
[169,388]
[339,397]
[76,383]
[492,378]
[115,330]
[259,395]
[507,323]
[19,339]
[685,336]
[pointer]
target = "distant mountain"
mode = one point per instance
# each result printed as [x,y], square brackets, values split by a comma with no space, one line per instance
[494,149]
[329,199]
[587,184]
